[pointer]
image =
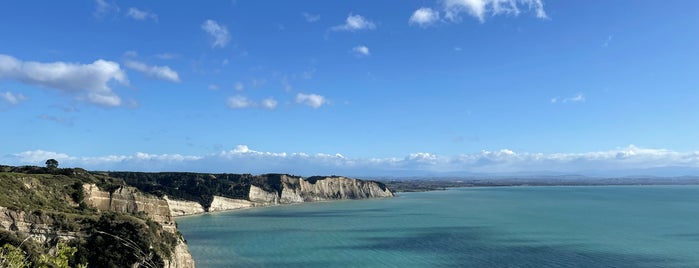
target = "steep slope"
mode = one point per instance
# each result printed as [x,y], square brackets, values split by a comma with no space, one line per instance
[192,193]
[110,225]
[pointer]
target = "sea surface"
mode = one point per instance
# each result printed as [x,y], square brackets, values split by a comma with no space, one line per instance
[599,226]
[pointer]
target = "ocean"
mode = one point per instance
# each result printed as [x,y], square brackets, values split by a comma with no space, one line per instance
[581,226]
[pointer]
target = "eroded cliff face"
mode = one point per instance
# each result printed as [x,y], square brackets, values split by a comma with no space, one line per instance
[128,199]
[222,203]
[182,207]
[298,190]
[40,227]
[330,188]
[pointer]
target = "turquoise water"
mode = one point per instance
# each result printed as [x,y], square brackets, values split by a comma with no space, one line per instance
[615,226]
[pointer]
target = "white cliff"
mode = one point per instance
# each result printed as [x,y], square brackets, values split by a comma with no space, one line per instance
[182,207]
[223,203]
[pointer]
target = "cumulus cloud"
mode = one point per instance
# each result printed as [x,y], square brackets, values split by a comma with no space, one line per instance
[158,72]
[424,17]
[361,51]
[12,98]
[575,98]
[88,82]
[312,100]
[311,17]
[269,104]
[355,23]
[480,9]
[138,14]
[243,159]
[218,32]
[239,102]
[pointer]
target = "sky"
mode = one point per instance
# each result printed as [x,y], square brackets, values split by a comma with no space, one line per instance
[356,88]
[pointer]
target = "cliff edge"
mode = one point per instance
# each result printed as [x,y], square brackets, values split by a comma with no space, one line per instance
[194,193]
[106,222]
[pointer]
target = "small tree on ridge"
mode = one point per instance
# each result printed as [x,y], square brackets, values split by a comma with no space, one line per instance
[51,163]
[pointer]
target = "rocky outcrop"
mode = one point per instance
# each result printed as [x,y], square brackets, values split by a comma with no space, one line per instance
[182,207]
[222,203]
[293,190]
[261,197]
[40,227]
[181,258]
[329,188]
[128,199]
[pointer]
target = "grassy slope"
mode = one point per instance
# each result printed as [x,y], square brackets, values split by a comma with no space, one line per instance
[56,195]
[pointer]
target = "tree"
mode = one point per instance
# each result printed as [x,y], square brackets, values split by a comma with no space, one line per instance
[51,163]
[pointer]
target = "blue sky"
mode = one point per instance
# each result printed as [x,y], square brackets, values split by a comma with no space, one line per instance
[362,88]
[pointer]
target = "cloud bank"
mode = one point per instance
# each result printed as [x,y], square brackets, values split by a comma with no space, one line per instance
[454,10]
[630,160]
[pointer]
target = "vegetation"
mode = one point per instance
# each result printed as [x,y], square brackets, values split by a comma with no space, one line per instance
[51,163]
[55,197]
[199,187]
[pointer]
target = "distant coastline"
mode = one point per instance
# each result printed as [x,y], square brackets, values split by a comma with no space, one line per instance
[437,184]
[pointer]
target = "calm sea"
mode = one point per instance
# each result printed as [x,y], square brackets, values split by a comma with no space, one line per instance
[609,226]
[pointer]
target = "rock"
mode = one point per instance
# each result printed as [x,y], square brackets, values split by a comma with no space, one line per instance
[183,208]
[39,227]
[128,199]
[222,203]
[262,197]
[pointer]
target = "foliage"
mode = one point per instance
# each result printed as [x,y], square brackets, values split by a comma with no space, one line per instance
[124,240]
[55,197]
[60,259]
[51,163]
[13,257]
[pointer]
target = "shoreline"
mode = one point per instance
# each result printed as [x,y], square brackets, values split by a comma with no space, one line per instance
[274,205]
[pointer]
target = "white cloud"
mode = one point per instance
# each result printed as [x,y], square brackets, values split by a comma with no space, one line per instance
[311,17]
[138,14]
[269,103]
[630,160]
[12,98]
[213,87]
[355,23]
[424,17]
[242,102]
[158,72]
[575,99]
[218,32]
[361,51]
[88,82]
[104,8]
[312,100]
[482,8]
[239,102]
